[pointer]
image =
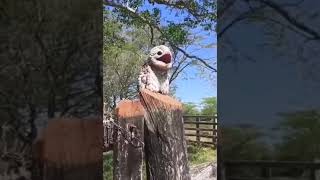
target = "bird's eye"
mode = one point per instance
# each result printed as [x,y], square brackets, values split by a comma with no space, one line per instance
[159,52]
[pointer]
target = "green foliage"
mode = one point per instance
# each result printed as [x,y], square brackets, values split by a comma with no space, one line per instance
[209,106]
[243,144]
[123,54]
[301,132]
[200,13]
[190,109]
[108,166]
[176,33]
[198,155]
[49,60]
[46,57]
[152,16]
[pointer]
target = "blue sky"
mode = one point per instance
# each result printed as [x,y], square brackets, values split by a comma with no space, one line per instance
[191,87]
[279,80]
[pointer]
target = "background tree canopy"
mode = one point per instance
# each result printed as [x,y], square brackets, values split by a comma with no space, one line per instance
[208,107]
[131,28]
[300,136]
[50,67]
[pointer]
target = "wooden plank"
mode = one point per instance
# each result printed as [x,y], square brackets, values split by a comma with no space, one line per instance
[247,178]
[165,145]
[194,122]
[128,159]
[285,164]
[202,142]
[200,129]
[201,119]
[200,116]
[200,135]
[266,167]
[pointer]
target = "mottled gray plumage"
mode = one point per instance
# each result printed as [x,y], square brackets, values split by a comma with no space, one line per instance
[154,74]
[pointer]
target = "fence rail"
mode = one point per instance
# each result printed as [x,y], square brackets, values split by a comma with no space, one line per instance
[203,128]
[267,167]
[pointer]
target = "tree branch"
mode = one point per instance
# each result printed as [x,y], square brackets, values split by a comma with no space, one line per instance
[290,19]
[176,75]
[136,15]
[181,5]
[281,11]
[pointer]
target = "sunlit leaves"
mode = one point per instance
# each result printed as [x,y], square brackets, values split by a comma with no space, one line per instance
[190,108]
[209,106]
[300,136]
[176,33]
[196,14]
[123,55]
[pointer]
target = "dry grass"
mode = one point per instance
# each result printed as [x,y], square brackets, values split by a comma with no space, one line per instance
[199,155]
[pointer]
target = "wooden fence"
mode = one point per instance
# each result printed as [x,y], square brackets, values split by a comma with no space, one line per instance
[270,170]
[201,129]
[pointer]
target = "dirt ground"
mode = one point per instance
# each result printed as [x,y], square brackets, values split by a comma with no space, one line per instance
[204,171]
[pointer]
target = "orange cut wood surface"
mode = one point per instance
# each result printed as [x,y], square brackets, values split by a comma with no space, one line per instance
[70,141]
[129,109]
[158,100]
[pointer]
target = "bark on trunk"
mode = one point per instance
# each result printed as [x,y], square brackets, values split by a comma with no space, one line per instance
[128,158]
[165,145]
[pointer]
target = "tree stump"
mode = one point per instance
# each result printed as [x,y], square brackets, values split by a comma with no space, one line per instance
[128,158]
[165,144]
[70,148]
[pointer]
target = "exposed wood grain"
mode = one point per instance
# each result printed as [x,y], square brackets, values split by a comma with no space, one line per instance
[128,160]
[70,148]
[165,144]
[129,109]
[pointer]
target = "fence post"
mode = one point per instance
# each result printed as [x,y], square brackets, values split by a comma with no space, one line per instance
[315,173]
[198,131]
[215,133]
[266,172]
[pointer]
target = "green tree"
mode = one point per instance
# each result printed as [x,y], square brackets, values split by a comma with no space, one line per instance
[300,140]
[49,68]
[190,108]
[242,143]
[177,33]
[209,106]
[122,59]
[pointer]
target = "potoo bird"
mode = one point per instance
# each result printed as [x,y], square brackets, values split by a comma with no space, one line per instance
[154,74]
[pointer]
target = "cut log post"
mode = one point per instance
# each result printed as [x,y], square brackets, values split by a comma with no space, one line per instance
[70,148]
[128,158]
[165,144]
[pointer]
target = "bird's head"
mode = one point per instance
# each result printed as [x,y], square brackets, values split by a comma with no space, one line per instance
[160,57]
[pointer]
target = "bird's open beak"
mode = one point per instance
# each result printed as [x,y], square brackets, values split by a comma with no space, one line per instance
[166,58]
